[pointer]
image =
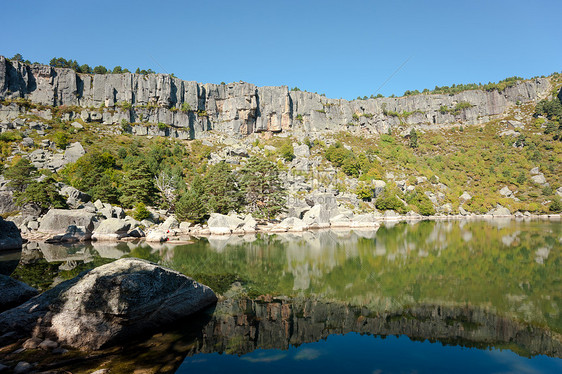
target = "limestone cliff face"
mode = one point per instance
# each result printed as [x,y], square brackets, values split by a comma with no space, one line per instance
[239,109]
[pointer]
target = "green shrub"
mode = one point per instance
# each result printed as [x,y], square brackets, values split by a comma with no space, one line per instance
[185,107]
[422,202]
[61,139]
[10,136]
[140,212]
[364,192]
[389,201]
[162,126]
[556,205]
[286,151]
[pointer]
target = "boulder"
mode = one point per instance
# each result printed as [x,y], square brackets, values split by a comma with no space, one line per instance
[74,196]
[499,211]
[7,202]
[112,229]
[378,187]
[292,224]
[156,236]
[342,219]
[56,221]
[184,226]
[10,237]
[250,224]
[136,233]
[73,152]
[170,223]
[317,217]
[559,191]
[505,191]
[73,234]
[14,292]
[539,179]
[465,197]
[301,151]
[364,221]
[219,224]
[109,304]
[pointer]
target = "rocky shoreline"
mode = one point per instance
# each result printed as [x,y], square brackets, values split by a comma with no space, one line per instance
[183,233]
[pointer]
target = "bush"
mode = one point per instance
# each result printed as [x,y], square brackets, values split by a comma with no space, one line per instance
[422,202]
[556,205]
[389,201]
[61,139]
[185,107]
[140,212]
[286,151]
[364,192]
[10,136]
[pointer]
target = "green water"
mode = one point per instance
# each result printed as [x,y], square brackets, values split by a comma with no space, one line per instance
[479,284]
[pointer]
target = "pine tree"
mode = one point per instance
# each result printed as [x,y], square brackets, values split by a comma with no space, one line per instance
[221,189]
[137,185]
[264,194]
[42,195]
[20,174]
[190,207]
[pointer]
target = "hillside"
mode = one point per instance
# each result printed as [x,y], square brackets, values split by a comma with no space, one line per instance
[110,136]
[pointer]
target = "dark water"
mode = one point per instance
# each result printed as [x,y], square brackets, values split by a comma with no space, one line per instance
[427,297]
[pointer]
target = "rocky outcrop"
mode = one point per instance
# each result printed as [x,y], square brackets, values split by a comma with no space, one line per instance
[108,304]
[14,292]
[191,109]
[10,237]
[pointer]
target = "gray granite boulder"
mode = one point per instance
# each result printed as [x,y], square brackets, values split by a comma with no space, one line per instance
[112,229]
[109,304]
[14,292]
[56,221]
[10,237]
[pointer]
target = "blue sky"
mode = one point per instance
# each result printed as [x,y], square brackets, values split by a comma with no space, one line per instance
[340,48]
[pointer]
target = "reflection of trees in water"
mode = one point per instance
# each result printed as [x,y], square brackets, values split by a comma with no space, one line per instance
[241,326]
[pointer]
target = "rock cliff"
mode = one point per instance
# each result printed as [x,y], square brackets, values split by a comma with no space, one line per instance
[191,109]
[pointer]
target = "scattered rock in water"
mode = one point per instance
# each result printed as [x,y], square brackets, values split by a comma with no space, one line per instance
[14,293]
[109,304]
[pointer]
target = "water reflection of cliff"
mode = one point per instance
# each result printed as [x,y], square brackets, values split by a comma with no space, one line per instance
[240,326]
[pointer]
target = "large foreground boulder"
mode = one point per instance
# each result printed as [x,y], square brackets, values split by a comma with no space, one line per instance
[14,293]
[10,237]
[109,304]
[56,221]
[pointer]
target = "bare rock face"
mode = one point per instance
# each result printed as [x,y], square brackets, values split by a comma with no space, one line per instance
[109,304]
[10,237]
[238,109]
[14,292]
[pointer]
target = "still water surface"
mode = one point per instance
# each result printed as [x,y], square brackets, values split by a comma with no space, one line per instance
[475,296]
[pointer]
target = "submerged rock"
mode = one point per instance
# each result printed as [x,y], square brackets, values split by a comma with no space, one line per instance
[109,304]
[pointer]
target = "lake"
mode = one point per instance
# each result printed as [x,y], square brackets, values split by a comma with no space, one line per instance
[425,297]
